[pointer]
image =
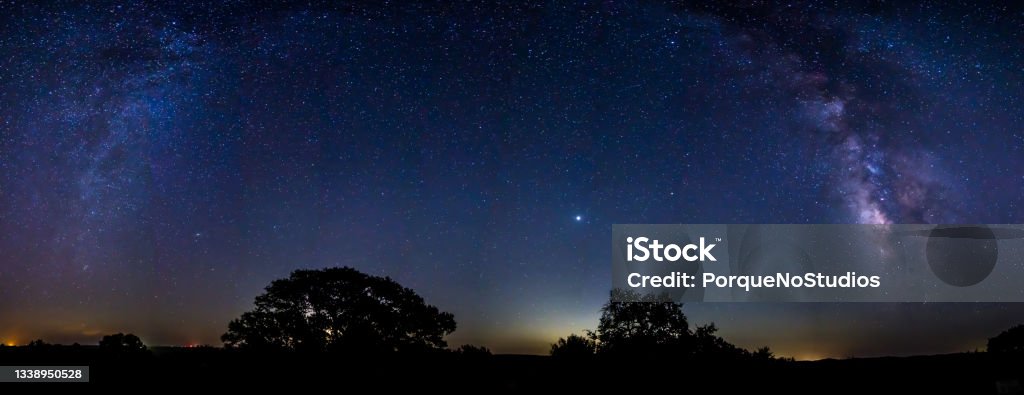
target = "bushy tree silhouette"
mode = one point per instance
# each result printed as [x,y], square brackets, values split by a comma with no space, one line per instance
[339,309]
[574,347]
[650,325]
[1009,341]
[647,324]
[122,343]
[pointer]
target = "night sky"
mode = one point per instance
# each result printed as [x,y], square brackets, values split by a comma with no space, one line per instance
[161,164]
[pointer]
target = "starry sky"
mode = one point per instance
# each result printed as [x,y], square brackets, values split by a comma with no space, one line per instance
[161,163]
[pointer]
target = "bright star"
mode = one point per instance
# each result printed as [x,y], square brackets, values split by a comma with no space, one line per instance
[579,218]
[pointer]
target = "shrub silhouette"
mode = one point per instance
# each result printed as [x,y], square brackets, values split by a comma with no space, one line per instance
[122,343]
[470,350]
[339,309]
[1009,341]
[574,347]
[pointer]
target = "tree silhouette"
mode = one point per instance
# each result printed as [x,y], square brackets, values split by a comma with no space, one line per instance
[1009,341]
[574,347]
[647,324]
[650,325]
[38,343]
[339,309]
[122,343]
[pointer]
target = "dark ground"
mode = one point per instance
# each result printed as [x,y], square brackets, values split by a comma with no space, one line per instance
[968,373]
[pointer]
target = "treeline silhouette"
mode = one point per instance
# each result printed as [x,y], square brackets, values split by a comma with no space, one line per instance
[354,330]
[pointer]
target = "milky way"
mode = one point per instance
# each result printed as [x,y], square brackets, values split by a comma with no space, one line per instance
[862,125]
[162,163]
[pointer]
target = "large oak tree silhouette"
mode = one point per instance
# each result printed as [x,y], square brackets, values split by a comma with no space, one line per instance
[339,309]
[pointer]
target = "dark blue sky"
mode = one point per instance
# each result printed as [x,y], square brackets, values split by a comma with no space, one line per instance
[161,164]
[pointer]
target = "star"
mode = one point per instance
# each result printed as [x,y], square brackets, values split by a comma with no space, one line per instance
[579,218]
